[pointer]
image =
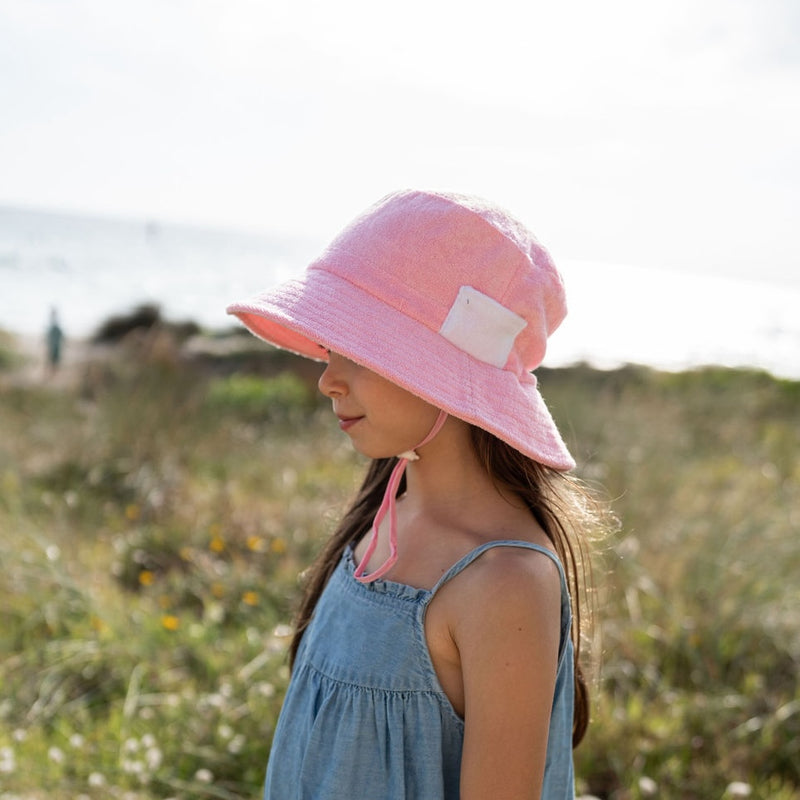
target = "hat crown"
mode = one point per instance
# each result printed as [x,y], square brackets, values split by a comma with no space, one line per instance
[416,251]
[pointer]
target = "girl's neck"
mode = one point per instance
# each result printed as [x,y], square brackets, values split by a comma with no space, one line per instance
[448,479]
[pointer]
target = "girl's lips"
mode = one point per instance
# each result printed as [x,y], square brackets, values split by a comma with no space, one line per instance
[345,423]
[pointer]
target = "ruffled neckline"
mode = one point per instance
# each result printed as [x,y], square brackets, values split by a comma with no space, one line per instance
[381,585]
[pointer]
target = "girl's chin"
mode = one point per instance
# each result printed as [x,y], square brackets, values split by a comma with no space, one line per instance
[370,452]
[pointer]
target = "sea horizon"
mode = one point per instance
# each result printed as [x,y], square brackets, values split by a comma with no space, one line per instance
[90,269]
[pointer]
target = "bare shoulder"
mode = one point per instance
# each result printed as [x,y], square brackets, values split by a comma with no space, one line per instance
[516,562]
[509,571]
[505,587]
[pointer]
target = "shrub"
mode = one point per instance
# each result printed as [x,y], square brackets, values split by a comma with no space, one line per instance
[284,397]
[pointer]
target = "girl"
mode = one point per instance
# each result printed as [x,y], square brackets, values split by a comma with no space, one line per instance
[434,655]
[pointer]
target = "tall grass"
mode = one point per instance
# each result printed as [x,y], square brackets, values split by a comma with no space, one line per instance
[155,520]
[700,630]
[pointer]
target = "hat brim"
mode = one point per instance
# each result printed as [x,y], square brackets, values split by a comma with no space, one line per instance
[322,311]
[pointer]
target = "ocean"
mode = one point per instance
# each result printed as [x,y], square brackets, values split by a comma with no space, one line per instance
[91,268]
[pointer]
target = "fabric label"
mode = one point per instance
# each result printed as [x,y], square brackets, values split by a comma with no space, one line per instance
[482,327]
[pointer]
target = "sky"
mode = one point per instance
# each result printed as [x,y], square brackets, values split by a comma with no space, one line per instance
[661,134]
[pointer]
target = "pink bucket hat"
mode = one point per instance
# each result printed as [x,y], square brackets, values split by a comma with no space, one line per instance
[445,295]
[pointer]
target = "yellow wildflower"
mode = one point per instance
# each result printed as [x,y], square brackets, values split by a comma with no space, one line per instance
[146,577]
[217,544]
[98,624]
[170,622]
[250,598]
[132,512]
[255,543]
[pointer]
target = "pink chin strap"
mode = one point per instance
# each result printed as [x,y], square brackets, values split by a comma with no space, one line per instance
[389,505]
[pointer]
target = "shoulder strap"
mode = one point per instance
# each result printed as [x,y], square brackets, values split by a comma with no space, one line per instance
[466,560]
[566,611]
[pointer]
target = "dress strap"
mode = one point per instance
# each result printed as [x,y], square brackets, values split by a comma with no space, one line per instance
[466,560]
[566,609]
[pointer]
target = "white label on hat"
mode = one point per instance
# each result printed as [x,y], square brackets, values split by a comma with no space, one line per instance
[482,327]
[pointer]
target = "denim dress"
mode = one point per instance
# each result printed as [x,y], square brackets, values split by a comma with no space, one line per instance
[364,716]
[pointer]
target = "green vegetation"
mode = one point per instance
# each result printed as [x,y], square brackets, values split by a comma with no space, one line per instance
[8,354]
[155,519]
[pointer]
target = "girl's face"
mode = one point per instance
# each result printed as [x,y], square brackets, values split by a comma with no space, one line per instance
[381,418]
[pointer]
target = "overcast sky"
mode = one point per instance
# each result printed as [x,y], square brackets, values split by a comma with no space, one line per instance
[653,133]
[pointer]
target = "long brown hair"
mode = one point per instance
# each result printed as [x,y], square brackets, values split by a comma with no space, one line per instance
[560,504]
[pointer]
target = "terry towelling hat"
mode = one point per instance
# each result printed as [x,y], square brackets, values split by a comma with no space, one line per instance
[445,295]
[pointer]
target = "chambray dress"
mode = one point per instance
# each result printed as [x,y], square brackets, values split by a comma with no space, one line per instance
[365,717]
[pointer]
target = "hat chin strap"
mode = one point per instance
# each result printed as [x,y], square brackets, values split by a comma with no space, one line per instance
[388,505]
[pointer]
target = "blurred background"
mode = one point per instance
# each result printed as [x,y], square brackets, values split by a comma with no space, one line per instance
[186,152]
[163,480]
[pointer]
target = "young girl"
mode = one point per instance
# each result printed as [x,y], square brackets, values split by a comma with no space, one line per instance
[435,654]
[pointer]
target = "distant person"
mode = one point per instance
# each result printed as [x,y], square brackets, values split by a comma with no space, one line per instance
[435,655]
[55,341]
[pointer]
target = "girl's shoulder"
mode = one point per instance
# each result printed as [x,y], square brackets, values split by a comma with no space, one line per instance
[499,585]
[493,620]
[507,570]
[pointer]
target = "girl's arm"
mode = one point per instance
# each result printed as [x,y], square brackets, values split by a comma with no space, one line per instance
[508,638]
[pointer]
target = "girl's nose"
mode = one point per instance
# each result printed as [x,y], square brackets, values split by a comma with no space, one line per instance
[332,383]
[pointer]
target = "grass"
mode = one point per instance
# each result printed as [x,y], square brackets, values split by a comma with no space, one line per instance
[156,517]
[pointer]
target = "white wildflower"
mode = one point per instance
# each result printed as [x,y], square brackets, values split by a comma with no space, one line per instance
[266,689]
[153,757]
[204,775]
[132,766]
[282,631]
[225,731]
[56,755]
[8,761]
[647,786]
[97,779]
